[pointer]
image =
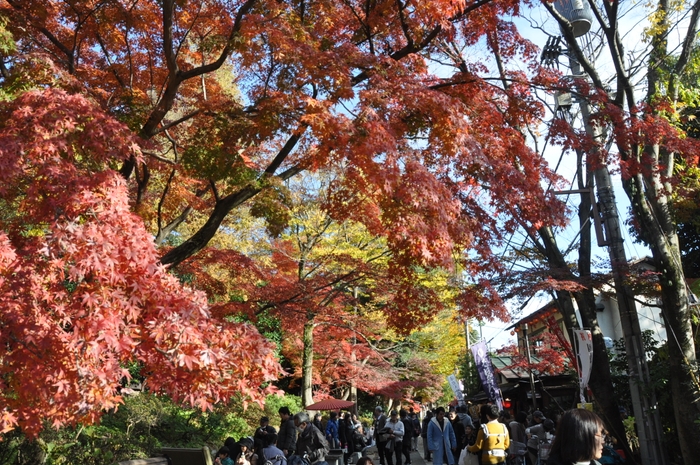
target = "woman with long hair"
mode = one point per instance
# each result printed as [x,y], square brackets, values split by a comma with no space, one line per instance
[579,440]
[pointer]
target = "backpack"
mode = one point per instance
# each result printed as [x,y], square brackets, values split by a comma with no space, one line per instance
[485,429]
[274,460]
[495,452]
[545,446]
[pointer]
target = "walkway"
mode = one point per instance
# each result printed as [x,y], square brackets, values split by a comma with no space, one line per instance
[416,457]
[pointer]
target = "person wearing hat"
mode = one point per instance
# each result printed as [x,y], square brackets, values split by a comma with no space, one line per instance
[261,433]
[381,436]
[534,432]
[311,444]
[247,455]
[545,441]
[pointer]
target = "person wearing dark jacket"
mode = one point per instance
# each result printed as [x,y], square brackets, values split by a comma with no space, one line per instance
[332,433]
[311,443]
[346,431]
[407,436]
[261,434]
[424,435]
[247,455]
[458,427]
[580,439]
[317,422]
[381,436]
[416,429]
[287,438]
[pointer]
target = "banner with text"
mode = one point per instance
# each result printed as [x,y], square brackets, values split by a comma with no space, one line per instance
[584,350]
[485,369]
[456,388]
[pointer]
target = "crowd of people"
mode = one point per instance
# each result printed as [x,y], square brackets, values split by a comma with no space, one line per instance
[450,437]
[493,437]
[299,441]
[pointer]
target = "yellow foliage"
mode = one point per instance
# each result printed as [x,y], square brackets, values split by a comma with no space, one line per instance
[442,341]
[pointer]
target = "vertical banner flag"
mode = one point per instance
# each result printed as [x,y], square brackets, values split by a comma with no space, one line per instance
[456,388]
[584,350]
[485,369]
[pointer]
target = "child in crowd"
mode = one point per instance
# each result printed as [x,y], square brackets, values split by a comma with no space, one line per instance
[222,457]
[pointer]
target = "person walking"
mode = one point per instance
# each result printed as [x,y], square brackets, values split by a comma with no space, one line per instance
[407,443]
[492,440]
[533,432]
[261,434]
[395,445]
[463,414]
[347,436]
[580,439]
[416,429]
[317,422]
[271,454]
[544,442]
[381,436]
[424,435]
[442,442]
[459,429]
[287,438]
[518,439]
[311,444]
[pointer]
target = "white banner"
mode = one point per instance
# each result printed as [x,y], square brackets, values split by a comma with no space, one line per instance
[584,354]
[456,388]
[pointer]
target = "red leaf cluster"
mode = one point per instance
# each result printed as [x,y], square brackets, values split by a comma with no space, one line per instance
[81,291]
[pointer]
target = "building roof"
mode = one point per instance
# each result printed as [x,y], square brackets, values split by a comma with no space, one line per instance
[502,363]
[543,312]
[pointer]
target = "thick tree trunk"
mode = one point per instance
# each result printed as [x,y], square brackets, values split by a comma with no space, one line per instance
[650,197]
[308,363]
[681,348]
[600,382]
[658,231]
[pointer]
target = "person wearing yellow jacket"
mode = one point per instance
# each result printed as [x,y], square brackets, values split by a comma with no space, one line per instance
[492,440]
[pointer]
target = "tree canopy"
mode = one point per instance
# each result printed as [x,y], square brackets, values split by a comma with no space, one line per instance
[128,126]
[81,290]
[169,110]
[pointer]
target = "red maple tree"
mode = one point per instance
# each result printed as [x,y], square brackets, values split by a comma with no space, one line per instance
[229,98]
[82,293]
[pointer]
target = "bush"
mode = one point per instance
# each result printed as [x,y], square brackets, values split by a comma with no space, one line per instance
[138,429]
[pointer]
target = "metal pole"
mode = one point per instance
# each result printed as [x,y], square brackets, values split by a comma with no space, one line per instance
[645,407]
[467,378]
[529,361]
